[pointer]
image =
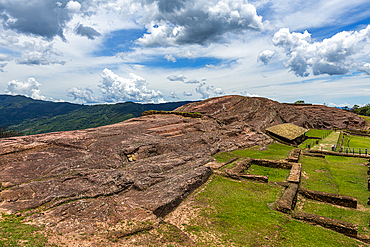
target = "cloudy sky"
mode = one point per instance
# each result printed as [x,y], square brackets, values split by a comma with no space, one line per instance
[97,51]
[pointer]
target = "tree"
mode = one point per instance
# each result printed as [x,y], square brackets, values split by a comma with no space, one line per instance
[5,132]
[299,102]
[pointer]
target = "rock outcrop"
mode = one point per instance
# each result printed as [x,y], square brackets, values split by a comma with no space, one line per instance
[139,169]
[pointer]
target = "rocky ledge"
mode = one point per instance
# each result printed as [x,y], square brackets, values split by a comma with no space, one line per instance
[139,169]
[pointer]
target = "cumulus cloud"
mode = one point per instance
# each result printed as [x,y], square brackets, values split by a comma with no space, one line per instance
[42,18]
[173,95]
[176,78]
[73,6]
[332,56]
[198,22]
[88,32]
[116,89]
[364,67]
[29,88]
[265,56]
[170,58]
[44,54]
[84,94]
[208,91]
[187,94]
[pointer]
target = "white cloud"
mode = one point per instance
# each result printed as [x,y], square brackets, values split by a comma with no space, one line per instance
[176,78]
[364,67]
[117,89]
[173,95]
[198,22]
[192,81]
[4,57]
[245,93]
[208,91]
[187,54]
[73,6]
[265,56]
[170,58]
[332,56]
[84,94]
[187,94]
[29,88]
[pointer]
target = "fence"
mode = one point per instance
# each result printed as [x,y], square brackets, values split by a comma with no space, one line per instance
[316,141]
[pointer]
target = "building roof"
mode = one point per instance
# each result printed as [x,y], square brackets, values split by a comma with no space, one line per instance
[287,130]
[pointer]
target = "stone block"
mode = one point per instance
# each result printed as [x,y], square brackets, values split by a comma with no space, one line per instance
[345,201]
[287,201]
[333,224]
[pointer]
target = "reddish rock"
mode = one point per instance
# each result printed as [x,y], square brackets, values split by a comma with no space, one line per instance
[139,169]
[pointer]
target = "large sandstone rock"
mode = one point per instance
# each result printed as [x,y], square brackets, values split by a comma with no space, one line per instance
[140,169]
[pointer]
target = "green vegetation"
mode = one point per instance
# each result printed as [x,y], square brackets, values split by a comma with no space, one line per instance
[239,214]
[15,233]
[356,141]
[324,134]
[355,216]
[274,174]
[17,109]
[83,117]
[5,132]
[336,174]
[365,110]
[274,151]
[224,157]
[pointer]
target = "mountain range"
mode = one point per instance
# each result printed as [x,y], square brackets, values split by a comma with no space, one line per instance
[29,116]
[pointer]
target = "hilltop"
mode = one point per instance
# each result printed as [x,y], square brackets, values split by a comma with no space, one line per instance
[29,116]
[141,169]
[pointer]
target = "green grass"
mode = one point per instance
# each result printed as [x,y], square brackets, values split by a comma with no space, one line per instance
[317,132]
[238,213]
[314,133]
[275,151]
[354,216]
[15,233]
[358,142]
[224,157]
[274,174]
[338,175]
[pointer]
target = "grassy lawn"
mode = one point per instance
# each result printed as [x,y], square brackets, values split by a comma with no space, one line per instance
[324,144]
[14,233]
[274,174]
[357,142]
[354,216]
[274,151]
[335,174]
[239,215]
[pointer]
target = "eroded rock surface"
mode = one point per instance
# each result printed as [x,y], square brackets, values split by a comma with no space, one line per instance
[140,169]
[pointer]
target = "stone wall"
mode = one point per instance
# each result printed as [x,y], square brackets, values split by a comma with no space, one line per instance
[345,201]
[333,224]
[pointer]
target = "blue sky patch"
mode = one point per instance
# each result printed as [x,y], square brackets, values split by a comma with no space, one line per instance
[185,62]
[119,41]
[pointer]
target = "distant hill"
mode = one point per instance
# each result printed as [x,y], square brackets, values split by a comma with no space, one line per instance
[30,116]
[16,109]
